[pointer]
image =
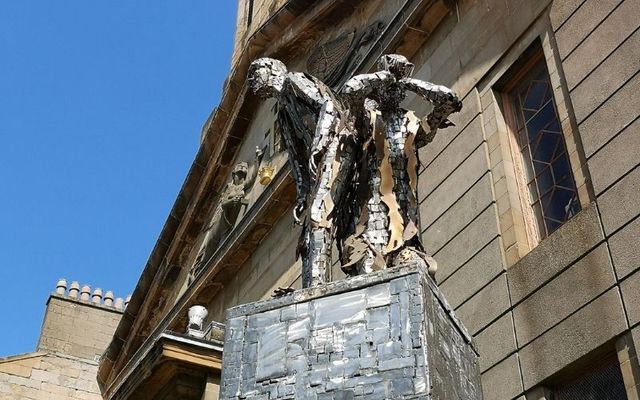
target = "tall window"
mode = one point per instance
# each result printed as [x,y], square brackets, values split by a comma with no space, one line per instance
[546,179]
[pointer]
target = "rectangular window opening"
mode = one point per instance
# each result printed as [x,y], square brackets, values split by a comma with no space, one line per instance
[548,192]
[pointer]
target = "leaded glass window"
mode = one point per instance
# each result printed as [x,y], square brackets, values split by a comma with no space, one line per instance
[548,179]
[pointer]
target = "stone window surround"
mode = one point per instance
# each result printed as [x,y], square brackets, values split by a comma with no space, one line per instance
[515,227]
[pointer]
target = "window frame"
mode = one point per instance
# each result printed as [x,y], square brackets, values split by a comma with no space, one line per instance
[516,234]
[531,59]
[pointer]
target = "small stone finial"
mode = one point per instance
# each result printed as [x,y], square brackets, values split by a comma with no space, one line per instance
[197,314]
[119,304]
[108,298]
[85,293]
[74,289]
[96,298]
[126,301]
[61,286]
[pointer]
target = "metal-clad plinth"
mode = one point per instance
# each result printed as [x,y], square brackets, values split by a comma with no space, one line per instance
[385,335]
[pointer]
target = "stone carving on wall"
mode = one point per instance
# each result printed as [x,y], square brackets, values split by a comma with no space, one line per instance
[354,159]
[227,210]
[332,60]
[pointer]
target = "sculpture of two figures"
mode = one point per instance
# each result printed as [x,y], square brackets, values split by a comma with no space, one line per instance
[353,156]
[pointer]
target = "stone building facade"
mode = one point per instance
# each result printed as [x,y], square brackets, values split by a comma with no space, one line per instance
[77,327]
[529,204]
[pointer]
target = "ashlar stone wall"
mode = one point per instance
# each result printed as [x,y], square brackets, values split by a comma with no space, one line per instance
[41,376]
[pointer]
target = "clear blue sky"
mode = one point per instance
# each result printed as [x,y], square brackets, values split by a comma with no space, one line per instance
[101,105]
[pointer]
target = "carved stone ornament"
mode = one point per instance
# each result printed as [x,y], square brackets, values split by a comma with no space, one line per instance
[227,210]
[353,156]
[332,60]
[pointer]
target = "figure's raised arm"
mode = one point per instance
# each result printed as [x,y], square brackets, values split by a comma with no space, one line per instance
[436,94]
[444,101]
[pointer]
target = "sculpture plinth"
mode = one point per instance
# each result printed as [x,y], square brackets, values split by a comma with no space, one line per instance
[384,335]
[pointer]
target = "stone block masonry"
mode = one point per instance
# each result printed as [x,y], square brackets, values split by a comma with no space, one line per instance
[386,335]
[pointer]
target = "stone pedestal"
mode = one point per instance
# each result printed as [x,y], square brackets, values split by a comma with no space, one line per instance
[387,335]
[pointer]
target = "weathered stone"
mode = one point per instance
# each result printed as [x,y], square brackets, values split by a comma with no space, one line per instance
[624,251]
[486,305]
[608,77]
[453,187]
[573,239]
[623,150]
[467,243]
[461,213]
[581,283]
[616,114]
[562,10]
[503,380]
[619,204]
[481,269]
[470,108]
[452,156]
[601,42]
[589,328]
[630,289]
[585,17]
[496,342]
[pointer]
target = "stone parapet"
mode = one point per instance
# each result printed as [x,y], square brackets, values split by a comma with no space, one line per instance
[385,335]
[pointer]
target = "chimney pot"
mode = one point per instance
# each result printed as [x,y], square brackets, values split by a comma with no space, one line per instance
[126,301]
[61,286]
[108,298]
[85,293]
[97,296]
[119,304]
[74,289]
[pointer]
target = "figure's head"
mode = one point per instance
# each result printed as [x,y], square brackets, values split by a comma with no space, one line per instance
[266,76]
[239,172]
[398,65]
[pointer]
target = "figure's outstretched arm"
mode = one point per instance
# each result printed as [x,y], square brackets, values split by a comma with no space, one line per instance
[356,89]
[444,101]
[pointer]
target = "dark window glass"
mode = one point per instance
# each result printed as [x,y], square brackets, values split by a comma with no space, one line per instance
[605,383]
[552,189]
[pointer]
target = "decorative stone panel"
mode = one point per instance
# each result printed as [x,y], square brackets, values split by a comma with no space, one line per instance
[387,335]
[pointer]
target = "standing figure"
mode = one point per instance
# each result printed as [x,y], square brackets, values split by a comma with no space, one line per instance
[320,147]
[230,203]
[397,134]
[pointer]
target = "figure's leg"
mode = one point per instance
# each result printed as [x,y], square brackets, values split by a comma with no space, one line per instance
[376,233]
[317,263]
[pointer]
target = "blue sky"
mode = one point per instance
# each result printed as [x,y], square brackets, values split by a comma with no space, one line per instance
[101,105]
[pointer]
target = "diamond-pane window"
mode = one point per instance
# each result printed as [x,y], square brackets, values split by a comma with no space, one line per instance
[548,177]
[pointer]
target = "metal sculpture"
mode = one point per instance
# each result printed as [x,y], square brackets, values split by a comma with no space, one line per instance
[354,160]
[317,140]
[390,216]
